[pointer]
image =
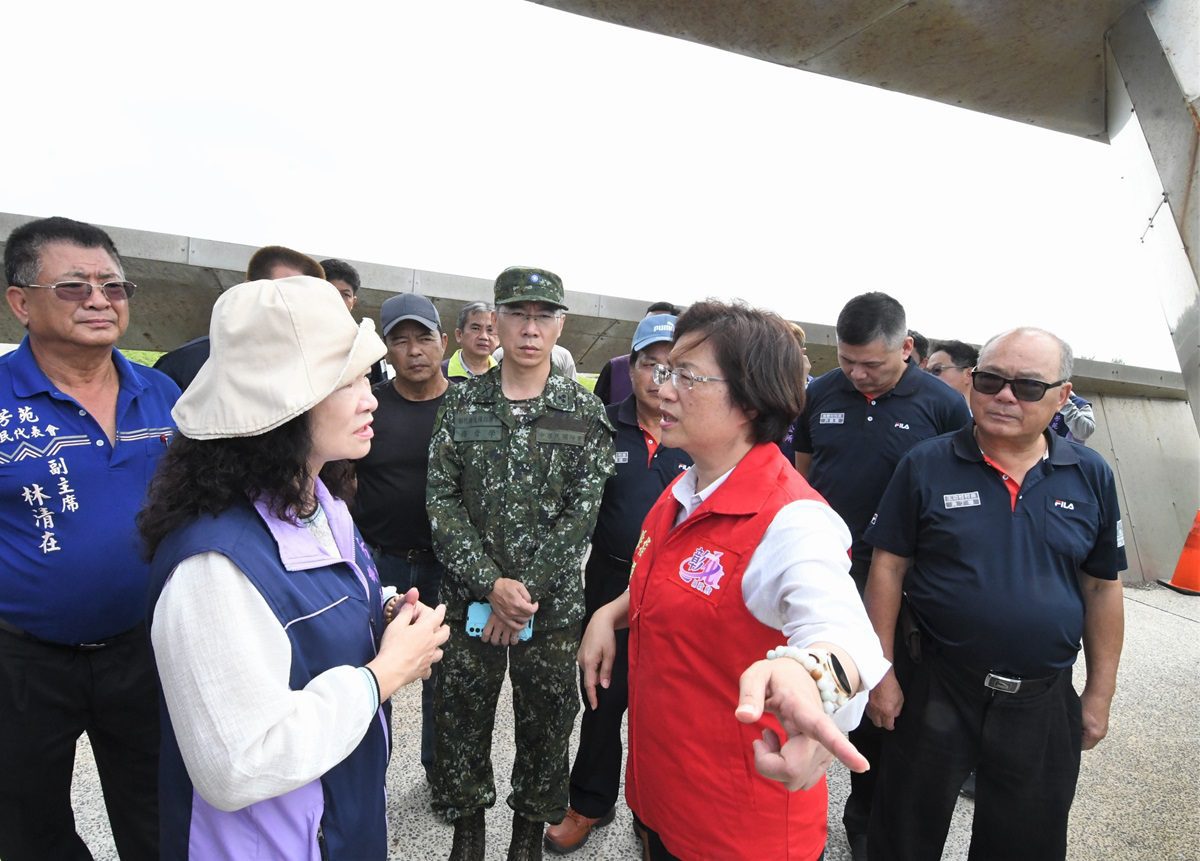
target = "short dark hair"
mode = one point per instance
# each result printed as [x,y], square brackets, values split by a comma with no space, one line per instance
[872,317]
[198,477]
[266,258]
[920,344]
[23,251]
[760,360]
[664,308]
[962,354]
[340,270]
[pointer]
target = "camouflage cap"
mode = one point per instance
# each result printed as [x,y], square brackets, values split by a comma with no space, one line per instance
[522,284]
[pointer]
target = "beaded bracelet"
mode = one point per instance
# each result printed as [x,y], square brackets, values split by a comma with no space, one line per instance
[825,669]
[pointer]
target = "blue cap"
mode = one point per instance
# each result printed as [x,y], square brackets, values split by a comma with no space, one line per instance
[655,328]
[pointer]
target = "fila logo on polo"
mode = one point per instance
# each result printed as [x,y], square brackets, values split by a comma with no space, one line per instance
[620,457]
[1063,504]
[902,426]
[833,418]
[703,570]
[961,500]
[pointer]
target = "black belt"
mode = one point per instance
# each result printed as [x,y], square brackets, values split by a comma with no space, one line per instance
[414,555]
[74,647]
[1000,683]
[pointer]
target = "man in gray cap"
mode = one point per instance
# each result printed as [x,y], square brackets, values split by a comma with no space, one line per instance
[517,467]
[389,506]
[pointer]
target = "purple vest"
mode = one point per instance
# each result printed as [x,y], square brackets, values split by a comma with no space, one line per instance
[334,608]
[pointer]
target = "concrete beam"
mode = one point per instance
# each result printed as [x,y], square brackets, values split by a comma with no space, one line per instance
[1155,73]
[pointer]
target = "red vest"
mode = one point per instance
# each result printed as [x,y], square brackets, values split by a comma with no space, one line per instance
[690,773]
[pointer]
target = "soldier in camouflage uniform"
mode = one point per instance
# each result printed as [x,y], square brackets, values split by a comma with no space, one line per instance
[517,466]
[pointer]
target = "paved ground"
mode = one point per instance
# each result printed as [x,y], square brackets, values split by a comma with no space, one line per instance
[1138,796]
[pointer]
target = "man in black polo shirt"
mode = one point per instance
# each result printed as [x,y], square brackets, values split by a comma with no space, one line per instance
[1005,541]
[389,506]
[859,420]
[644,469]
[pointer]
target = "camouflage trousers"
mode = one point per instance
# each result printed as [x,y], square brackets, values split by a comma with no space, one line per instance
[545,702]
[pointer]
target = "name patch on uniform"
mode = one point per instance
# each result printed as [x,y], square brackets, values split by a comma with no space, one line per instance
[562,437]
[620,457]
[833,418]
[961,500]
[478,427]
[1120,534]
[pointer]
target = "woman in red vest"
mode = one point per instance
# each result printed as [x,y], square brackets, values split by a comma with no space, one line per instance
[738,560]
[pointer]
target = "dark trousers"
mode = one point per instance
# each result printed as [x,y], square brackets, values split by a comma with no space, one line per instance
[596,774]
[49,696]
[425,573]
[1025,749]
[856,816]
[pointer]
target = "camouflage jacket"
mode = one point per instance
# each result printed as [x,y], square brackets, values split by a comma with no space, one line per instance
[516,494]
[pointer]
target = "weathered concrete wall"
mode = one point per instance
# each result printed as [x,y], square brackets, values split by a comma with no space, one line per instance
[1154,449]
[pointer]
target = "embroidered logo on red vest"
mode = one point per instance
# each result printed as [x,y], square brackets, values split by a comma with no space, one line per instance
[703,570]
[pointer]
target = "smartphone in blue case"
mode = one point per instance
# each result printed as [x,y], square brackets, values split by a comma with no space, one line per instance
[478,614]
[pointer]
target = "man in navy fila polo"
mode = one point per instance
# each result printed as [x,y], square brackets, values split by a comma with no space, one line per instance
[1005,541]
[859,420]
[81,430]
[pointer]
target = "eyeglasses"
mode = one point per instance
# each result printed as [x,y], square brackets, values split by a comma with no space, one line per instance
[77,291]
[1023,389]
[542,319]
[938,370]
[662,373]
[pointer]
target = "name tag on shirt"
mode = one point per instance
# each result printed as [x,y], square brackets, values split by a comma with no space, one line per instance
[620,457]
[561,437]
[833,418]
[961,500]
[478,427]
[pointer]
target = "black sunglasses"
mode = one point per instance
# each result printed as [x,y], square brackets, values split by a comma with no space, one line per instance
[987,383]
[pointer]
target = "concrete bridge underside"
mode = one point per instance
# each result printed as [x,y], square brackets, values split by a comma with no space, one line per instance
[1049,64]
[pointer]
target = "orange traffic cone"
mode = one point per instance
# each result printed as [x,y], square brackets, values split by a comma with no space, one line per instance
[1187,573]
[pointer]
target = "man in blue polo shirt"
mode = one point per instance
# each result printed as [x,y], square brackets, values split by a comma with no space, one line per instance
[859,419]
[1005,541]
[644,469]
[81,430]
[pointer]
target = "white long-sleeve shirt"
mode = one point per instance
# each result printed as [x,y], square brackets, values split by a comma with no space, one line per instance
[798,582]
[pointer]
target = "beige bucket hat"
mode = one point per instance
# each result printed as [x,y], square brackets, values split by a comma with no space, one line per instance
[278,349]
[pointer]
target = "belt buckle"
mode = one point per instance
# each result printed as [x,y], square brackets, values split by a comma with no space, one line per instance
[1003,684]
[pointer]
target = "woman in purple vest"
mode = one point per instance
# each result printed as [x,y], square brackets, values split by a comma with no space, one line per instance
[276,652]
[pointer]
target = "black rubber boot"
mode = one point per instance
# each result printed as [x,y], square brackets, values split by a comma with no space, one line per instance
[526,839]
[470,837]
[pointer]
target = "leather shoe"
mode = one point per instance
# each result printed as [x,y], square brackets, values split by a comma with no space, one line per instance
[574,830]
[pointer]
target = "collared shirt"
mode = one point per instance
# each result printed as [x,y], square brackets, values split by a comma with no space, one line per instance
[796,582]
[639,480]
[514,489]
[996,585]
[71,565]
[856,442]
[455,369]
